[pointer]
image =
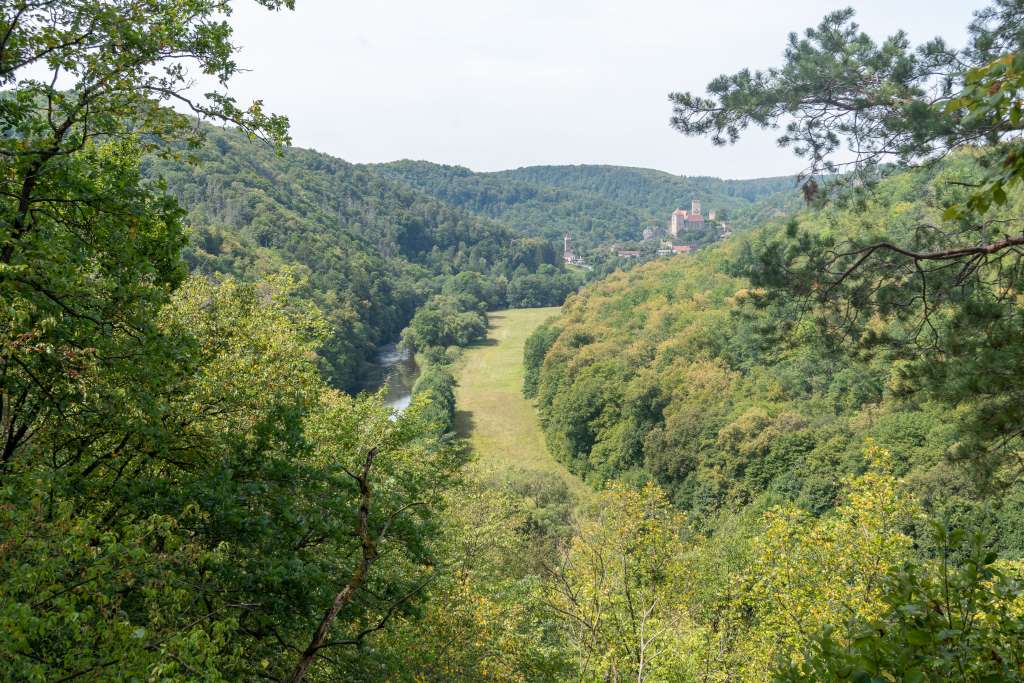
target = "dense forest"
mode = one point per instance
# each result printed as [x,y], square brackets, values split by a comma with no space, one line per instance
[743,203]
[830,470]
[596,204]
[802,444]
[689,374]
[531,208]
[828,398]
[369,252]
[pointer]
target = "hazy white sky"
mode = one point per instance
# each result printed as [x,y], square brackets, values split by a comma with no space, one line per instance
[495,84]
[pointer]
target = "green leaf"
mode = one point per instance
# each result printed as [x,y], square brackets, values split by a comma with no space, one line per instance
[918,637]
[999,195]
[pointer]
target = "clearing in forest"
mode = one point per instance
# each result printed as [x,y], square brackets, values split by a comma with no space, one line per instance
[490,409]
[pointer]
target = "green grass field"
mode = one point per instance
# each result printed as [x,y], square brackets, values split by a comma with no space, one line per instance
[491,412]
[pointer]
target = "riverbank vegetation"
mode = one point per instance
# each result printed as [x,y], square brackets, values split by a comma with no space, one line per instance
[370,252]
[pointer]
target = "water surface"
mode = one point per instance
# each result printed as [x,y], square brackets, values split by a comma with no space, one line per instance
[395,370]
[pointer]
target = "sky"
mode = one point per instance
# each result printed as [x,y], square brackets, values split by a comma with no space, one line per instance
[497,84]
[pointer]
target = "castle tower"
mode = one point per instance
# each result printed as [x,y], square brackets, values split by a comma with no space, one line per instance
[695,207]
[678,222]
[567,254]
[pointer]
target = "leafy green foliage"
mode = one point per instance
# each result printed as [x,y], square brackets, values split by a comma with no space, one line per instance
[370,251]
[546,287]
[596,204]
[529,208]
[821,88]
[617,590]
[536,347]
[196,535]
[952,619]
[183,495]
[917,105]
[484,617]
[436,385]
[181,491]
[655,194]
[943,275]
[724,392]
[446,321]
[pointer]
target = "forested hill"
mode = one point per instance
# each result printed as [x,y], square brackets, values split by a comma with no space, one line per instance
[656,193]
[594,203]
[805,441]
[373,243]
[371,250]
[530,208]
[728,392]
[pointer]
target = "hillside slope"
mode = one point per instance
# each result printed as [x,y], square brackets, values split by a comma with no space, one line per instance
[594,203]
[656,193]
[371,250]
[681,372]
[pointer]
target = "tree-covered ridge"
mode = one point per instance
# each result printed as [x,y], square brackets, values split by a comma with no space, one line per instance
[683,373]
[595,204]
[650,191]
[529,208]
[369,250]
[821,449]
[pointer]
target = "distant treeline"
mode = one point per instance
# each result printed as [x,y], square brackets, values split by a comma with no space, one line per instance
[596,204]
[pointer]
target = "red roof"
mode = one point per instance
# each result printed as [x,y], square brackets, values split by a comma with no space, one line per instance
[685,247]
[678,212]
[695,218]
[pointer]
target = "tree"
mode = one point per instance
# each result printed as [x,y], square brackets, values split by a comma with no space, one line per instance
[768,586]
[938,286]
[87,251]
[810,572]
[618,588]
[182,495]
[888,103]
[257,509]
[956,618]
[534,350]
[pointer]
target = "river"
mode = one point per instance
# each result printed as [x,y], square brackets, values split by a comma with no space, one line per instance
[395,370]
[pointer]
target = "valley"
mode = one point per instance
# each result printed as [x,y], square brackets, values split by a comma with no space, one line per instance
[268,414]
[501,426]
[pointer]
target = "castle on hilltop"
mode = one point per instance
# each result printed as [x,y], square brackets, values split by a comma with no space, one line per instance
[684,220]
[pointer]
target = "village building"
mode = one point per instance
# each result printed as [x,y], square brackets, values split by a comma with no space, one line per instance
[568,255]
[672,250]
[623,253]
